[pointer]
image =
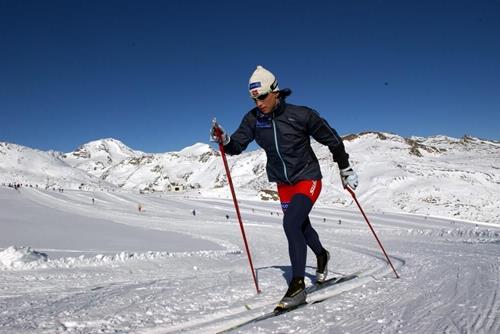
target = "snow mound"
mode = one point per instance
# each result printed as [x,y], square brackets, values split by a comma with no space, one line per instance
[196,150]
[24,258]
[15,256]
[123,257]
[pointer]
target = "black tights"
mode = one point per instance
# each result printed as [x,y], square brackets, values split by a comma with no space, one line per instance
[300,233]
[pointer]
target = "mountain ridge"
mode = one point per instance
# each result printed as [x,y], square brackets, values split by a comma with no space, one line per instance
[459,177]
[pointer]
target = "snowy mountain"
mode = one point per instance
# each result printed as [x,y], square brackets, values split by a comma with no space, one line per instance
[26,166]
[437,175]
[98,156]
[191,168]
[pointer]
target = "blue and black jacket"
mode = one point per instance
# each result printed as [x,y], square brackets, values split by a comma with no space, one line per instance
[284,134]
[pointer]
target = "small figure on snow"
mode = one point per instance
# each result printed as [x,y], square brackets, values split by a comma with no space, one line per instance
[283,130]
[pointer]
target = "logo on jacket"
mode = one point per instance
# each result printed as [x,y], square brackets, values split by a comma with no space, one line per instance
[263,122]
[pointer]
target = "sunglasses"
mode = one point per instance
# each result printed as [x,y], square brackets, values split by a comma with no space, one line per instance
[261,97]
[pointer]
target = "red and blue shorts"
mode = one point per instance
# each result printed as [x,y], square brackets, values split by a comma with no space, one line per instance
[309,188]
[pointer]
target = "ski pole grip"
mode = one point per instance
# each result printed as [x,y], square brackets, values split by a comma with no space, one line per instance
[218,131]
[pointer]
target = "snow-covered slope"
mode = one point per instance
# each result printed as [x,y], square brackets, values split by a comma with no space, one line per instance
[438,175]
[26,166]
[72,265]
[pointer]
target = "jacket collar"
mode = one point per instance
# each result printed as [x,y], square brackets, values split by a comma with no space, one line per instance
[280,108]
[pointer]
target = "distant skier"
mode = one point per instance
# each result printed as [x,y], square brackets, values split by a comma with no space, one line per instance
[283,130]
[193,212]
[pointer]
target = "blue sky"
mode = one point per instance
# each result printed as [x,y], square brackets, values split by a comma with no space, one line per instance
[154,73]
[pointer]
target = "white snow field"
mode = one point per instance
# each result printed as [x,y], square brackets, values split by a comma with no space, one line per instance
[68,265]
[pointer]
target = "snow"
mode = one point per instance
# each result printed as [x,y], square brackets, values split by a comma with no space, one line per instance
[68,265]
[25,165]
[98,155]
[77,256]
[451,177]
[17,256]
[196,150]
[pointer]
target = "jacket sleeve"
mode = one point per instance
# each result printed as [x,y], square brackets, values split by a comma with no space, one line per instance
[323,133]
[242,136]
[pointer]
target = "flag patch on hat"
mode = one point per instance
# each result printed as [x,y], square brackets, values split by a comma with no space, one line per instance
[254,85]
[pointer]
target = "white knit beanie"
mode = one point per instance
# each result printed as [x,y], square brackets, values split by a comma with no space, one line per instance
[261,82]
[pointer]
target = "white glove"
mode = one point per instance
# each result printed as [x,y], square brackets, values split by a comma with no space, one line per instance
[222,137]
[349,178]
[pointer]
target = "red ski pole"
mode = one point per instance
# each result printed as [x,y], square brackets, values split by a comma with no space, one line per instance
[371,228]
[218,133]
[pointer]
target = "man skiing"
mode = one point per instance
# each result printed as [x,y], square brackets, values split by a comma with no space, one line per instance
[283,130]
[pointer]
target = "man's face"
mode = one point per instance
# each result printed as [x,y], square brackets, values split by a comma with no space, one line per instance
[266,102]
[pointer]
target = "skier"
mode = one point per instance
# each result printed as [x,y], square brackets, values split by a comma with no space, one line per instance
[283,130]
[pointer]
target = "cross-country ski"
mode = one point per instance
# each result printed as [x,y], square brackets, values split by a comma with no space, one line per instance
[309,291]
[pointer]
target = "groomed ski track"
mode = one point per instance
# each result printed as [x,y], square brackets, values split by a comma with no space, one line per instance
[199,281]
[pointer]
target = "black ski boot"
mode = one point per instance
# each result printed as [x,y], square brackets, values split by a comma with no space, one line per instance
[322,268]
[295,296]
